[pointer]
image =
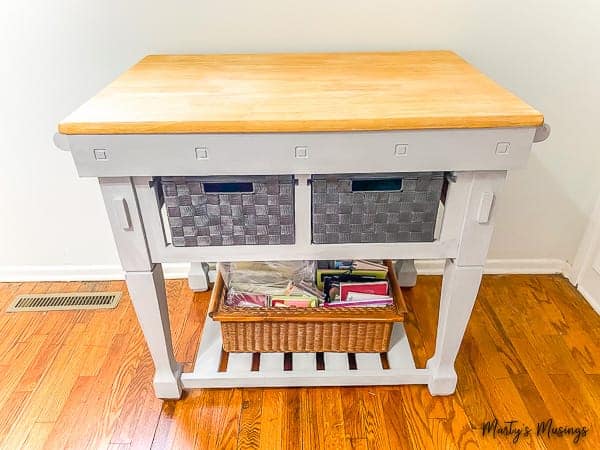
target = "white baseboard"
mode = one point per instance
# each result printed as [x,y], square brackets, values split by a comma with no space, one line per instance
[80,273]
[590,299]
[503,266]
[180,270]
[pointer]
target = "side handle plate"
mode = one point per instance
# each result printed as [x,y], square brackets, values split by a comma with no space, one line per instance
[122,211]
[61,142]
[541,133]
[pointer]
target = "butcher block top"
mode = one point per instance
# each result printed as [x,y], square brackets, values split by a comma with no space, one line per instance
[299,92]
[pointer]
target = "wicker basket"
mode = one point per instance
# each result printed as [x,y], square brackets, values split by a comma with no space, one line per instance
[348,330]
[396,207]
[216,211]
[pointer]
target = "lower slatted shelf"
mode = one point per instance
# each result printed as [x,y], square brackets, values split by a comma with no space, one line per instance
[270,368]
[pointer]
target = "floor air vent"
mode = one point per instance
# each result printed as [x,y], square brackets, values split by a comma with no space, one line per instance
[62,302]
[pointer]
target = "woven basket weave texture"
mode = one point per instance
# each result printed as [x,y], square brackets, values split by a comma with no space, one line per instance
[306,337]
[263,216]
[341,215]
[307,330]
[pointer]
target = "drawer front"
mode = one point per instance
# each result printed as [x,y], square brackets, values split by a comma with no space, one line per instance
[218,211]
[375,208]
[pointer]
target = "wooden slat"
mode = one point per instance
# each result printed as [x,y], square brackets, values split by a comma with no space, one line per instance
[399,355]
[208,357]
[299,92]
[368,361]
[271,362]
[336,361]
[239,362]
[304,362]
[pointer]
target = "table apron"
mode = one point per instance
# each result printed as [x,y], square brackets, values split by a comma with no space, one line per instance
[300,153]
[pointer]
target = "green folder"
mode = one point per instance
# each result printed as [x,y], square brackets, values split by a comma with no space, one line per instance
[321,273]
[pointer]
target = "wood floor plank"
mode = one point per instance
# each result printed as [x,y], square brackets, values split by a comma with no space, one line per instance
[363,417]
[327,423]
[65,379]
[354,421]
[272,421]
[250,419]
[447,433]
[585,351]
[577,313]
[469,389]
[543,383]
[167,425]
[140,414]
[38,435]
[208,419]
[13,329]
[571,392]
[49,397]
[191,329]
[7,292]
[423,302]
[118,446]
[531,396]
[493,341]
[415,419]
[94,429]
[12,408]
[222,411]
[73,408]
[394,419]
[291,438]
[44,359]
[23,354]
[34,321]
[375,427]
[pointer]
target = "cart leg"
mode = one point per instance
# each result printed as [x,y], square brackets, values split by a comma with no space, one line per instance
[406,272]
[459,290]
[147,291]
[198,277]
[144,281]
[469,208]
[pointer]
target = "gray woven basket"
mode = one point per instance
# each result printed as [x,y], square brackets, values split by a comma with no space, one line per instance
[353,208]
[209,211]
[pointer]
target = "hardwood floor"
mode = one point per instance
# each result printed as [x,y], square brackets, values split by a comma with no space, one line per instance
[82,379]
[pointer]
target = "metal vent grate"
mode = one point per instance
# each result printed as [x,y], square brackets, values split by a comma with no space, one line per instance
[65,301]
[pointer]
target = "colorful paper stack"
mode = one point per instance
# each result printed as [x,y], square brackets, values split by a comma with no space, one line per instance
[356,283]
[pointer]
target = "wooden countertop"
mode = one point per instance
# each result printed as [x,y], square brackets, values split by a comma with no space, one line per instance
[299,92]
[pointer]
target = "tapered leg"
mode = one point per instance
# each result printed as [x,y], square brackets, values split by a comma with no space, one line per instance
[147,291]
[469,209]
[198,277]
[144,281]
[459,290]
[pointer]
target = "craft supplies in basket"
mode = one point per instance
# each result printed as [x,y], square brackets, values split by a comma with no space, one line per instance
[309,329]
